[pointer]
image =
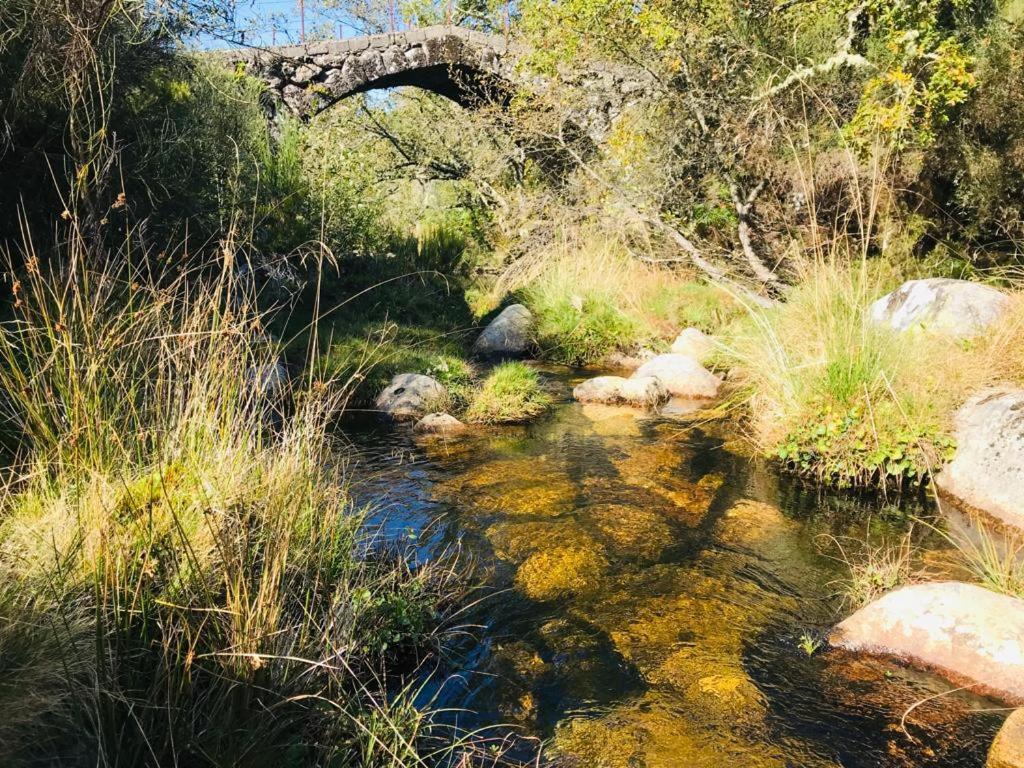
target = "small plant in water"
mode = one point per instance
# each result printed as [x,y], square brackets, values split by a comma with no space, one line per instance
[809,644]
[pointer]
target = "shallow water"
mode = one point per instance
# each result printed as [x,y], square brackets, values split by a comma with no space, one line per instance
[647,592]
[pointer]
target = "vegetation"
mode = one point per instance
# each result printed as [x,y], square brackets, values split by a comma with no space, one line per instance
[186,579]
[183,579]
[511,393]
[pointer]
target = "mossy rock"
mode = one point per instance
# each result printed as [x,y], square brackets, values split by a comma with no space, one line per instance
[561,571]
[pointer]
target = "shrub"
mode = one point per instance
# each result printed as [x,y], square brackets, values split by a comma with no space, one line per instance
[511,393]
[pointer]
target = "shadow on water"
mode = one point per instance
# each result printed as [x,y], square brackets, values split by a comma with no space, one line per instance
[649,590]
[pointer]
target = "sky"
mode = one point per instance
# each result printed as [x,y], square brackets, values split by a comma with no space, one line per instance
[279,22]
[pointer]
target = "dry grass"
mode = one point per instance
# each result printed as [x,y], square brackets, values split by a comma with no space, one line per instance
[186,578]
[592,296]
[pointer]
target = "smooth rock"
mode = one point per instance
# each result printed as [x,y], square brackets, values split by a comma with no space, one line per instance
[682,376]
[959,308]
[410,396]
[966,633]
[1008,749]
[987,471]
[438,424]
[510,334]
[694,343]
[615,390]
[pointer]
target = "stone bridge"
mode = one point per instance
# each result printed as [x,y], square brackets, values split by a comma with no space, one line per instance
[467,66]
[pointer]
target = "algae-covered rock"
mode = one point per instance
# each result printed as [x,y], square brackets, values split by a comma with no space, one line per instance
[629,530]
[560,571]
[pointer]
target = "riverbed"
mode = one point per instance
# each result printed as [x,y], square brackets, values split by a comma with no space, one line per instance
[650,595]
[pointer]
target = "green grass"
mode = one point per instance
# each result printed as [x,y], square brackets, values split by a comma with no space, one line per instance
[511,393]
[577,330]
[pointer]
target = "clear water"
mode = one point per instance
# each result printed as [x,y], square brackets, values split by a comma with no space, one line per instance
[646,592]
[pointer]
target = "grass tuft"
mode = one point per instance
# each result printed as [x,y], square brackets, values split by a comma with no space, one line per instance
[511,393]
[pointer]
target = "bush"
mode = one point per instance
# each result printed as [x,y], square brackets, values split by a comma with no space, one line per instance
[511,393]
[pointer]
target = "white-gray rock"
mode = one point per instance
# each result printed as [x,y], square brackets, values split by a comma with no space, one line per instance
[438,424]
[410,396]
[694,343]
[958,308]
[682,376]
[510,334]
[615,390]
[987,471]
[969,634]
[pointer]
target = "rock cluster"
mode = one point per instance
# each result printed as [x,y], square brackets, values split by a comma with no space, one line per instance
[659,377]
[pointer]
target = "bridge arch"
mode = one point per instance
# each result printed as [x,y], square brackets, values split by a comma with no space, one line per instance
[464,65]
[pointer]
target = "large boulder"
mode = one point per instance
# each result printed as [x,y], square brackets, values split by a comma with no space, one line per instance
[410,396]
[1008,748]
[682,376]
[694,343]
[510,334]
[958,308]
[438,424]
[987,471]
[615,390]
[968,634]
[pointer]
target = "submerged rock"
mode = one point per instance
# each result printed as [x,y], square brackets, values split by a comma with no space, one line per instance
[510,334]
[410,396]
[1008,748]
[987,472]
[642,392]
[438,424]
[956,307]
[682,376]
[559,571]
[694,343]
[966,633]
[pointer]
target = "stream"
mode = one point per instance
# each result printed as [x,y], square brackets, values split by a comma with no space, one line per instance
[653,595]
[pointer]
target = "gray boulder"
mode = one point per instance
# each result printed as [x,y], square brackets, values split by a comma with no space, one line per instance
[510,334]
[615,390]
[410,396]
[682,376]
[958,308]
[987,471]
[966,633]
[438,424]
